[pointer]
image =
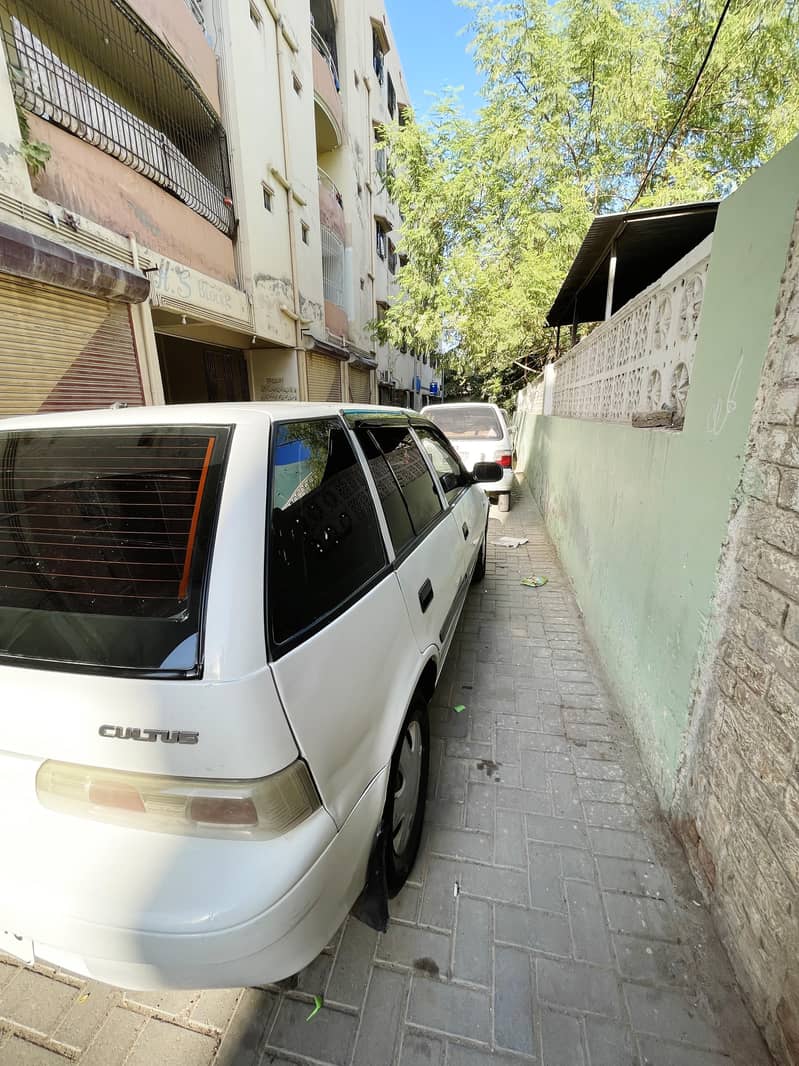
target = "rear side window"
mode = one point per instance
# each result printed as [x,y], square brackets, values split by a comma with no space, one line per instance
[404,482]
[445,461]
[325,540]
[467,423]
[105,541]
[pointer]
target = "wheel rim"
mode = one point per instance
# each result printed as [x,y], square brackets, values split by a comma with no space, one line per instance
[406,790]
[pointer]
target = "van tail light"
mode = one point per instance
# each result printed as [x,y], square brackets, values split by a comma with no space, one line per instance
[505,459]
[257,809]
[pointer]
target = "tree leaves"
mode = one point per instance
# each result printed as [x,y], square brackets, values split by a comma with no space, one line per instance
[578,99]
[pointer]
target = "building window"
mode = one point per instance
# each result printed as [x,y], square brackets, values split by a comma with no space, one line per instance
[381,152]
[306,232]
[392,97]
[255,17]
[381,235]
[403,115]
[268,196]
[378,56]
[392,258]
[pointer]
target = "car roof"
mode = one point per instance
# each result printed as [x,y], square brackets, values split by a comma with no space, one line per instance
[456,406]
[194,414]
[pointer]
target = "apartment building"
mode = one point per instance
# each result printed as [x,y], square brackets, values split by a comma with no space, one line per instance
[210,222]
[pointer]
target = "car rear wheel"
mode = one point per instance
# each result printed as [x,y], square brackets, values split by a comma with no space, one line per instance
[407,792]
[480,566]
[504,501]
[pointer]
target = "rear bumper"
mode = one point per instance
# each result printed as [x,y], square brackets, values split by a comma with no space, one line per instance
[232,914]
[496,488]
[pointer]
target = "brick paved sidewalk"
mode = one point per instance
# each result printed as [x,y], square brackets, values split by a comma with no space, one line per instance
[550,917]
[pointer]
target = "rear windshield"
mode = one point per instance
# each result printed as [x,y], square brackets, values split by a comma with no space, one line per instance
[467,423]
[104,545]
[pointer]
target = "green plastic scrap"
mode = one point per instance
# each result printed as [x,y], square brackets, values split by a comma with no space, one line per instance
[534,582]
[318,1003]
[459,707]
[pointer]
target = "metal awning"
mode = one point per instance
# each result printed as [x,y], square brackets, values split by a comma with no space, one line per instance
[624,253]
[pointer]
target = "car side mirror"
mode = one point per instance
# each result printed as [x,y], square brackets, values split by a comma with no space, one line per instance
[488,472]
[450,482]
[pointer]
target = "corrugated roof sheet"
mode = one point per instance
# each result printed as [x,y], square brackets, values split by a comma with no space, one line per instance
[648,242]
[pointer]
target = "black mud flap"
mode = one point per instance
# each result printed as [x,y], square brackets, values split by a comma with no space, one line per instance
[371,907]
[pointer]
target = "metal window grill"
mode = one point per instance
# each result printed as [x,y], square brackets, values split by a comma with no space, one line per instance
[95,69]
[333,266]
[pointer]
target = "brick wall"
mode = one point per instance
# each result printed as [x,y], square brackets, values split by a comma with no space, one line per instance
[737,804]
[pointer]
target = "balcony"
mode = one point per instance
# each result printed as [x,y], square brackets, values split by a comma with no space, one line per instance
[329,113]
[98,71]
[331,205]
[333,280]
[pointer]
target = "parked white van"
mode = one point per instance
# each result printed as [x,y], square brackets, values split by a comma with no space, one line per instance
[479,432]
[220,626]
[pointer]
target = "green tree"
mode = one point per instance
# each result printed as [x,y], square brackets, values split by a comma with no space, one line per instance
[589,106]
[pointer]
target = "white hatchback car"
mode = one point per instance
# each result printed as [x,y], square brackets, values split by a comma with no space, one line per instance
[479,432]
[220,626]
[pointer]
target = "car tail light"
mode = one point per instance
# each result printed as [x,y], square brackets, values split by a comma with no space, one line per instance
[504,459]
[255,809]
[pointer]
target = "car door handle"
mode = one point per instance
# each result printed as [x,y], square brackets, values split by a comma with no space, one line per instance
[425,595]
[465,529]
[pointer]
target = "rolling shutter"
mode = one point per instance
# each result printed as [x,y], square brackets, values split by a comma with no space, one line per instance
[324,378]
[360,385]
[62,350]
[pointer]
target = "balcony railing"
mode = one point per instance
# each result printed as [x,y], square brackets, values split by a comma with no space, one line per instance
[196,9]
[333,266]
[322,47]
[327,183]
[164,129]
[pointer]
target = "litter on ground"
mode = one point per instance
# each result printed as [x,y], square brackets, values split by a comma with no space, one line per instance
[509,542]
[534,582]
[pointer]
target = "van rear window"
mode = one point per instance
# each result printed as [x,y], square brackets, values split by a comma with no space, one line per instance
[467,423]
[104,545]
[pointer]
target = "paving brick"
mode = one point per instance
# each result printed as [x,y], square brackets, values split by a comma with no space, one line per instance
[566,801]
[525,800]
[171,1045]
[450,1008]
[544,742]
[216,1006]
[510,843]
[599,770]
[445,813]
[561,1039]
[116,1037]
[472,955]
[545,931]
[667,1014]
[513,1002]
[641,916]
[657,1053]
[379,1035]
[589,931]
[620,844]
[578,986]
[637,878]
[421,1050]
[89,1010]
[451,782]
[405,906]
[495,883]
[462,844]
[546,879]
[480,800]
[351,970]
[611,815]
[438,898]
[609,1043]
[577,864]
[8,971]
[405,945]
[507,746]
[330,1038]
[556,831]
[650,960]
[534,769]
[459,1055]
[18,1052]
[36,1001]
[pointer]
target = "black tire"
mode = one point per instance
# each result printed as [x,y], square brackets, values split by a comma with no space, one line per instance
[479,571]
[504,501]
[399,863]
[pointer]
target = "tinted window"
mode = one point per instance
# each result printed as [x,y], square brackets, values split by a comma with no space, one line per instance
[325,541]
[445,461]
[411,472]
[467,423]
[104,544]
[395,508]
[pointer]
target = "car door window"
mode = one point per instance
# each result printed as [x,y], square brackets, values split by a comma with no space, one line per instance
[395,508]
[411,474]
[325,540]
[446,464]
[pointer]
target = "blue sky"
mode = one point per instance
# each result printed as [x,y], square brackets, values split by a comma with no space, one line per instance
[433,53]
